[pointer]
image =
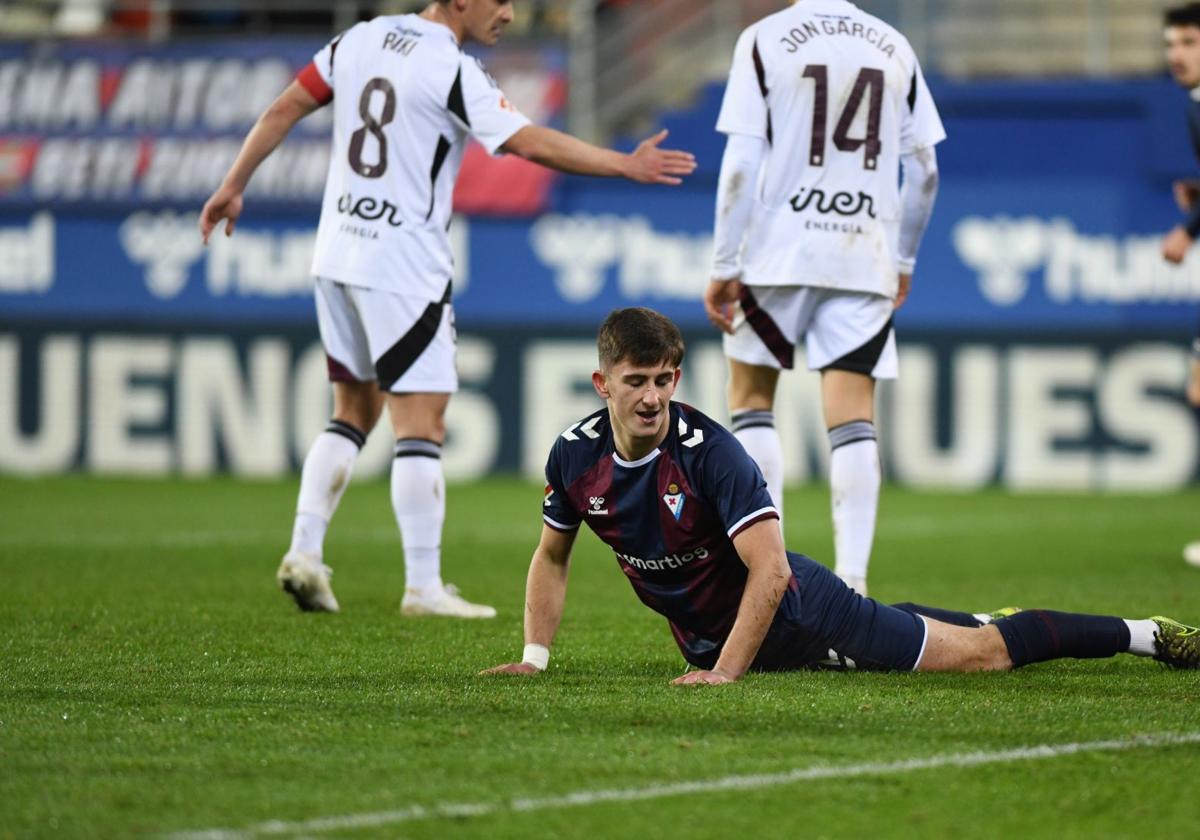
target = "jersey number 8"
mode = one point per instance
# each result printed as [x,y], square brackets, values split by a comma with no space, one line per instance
[373,126]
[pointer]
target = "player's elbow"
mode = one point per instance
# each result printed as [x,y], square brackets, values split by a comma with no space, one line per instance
[933,179]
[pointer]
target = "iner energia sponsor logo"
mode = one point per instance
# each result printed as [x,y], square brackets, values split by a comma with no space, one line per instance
[1076,268]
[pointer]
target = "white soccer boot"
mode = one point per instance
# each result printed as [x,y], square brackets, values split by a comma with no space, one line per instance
[444,601]
[306,579]
[1191,553]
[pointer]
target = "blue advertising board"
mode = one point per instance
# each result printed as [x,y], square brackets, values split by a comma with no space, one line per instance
[1045,342]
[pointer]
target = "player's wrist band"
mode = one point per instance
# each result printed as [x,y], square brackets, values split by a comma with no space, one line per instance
[536,655]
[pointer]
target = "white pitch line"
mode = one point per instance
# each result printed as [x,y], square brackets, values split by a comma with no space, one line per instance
[584,798]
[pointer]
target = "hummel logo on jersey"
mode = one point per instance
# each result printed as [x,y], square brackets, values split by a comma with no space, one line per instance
[588,429]
[597,506]
[674,500]
[696,439]
[546,498]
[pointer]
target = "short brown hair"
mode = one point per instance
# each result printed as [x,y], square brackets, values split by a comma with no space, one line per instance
[640,336]
[1188,15]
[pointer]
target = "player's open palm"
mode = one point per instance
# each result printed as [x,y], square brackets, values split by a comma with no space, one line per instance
[225,203]
[523,669]
[653,165]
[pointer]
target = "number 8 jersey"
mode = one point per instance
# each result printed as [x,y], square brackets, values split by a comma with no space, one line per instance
[405,98]
[838,96]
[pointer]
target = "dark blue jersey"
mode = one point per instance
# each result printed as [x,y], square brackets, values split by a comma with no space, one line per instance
[669,517]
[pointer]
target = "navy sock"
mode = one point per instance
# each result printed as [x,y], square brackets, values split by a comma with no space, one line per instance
[1039,635]
[962,619]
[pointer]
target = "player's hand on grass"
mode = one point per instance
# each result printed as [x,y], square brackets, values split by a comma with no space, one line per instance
[719,300]
[225,203]
[523,669]
[903,289]
[1176,244]
[651,165]
[713,677]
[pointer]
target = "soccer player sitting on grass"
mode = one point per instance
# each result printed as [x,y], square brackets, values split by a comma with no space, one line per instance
[688,515]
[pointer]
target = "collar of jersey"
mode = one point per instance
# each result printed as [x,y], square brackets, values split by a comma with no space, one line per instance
[672,414]
[435,26]
[640,462]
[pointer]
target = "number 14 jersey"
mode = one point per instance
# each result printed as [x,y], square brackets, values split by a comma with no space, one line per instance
[405,99]
[838,95]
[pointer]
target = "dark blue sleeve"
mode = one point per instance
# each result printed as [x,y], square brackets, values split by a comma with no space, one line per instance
[732,484]
[556,507]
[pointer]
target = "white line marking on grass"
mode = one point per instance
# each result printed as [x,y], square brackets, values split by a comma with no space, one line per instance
[581,798]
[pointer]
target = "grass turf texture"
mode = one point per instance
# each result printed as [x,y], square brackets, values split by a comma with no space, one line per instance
[153,679]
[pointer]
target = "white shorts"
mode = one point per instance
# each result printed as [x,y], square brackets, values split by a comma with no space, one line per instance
[841,330]
[406,344]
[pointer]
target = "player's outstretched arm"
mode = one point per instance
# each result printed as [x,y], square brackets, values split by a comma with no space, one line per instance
[647,165]
[272,127]
[761,548]
[545,595]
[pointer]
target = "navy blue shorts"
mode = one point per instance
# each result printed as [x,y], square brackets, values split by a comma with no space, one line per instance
[824,614]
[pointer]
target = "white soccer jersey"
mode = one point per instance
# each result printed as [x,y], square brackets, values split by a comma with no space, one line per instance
[405,98]
[839,96]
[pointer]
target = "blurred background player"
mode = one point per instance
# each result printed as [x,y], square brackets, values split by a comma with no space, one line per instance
[814,237]
[405,100]
[1182,35]
[687,514]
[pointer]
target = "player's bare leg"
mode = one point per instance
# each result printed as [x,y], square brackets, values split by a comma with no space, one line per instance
[419,503]
[952,648]
[848,401]
[752,416]
[327,471]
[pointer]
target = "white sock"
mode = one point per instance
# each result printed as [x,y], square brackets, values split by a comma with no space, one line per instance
[419,502]
[327,471]
[854,479]
[1141,637]
[755,431]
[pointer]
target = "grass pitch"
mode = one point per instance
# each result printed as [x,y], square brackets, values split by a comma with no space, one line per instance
[152,680]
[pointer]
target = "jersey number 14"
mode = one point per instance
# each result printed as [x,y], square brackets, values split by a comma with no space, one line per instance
[869,81]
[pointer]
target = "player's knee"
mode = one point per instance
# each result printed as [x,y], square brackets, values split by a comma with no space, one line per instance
[358,404]
[990,650]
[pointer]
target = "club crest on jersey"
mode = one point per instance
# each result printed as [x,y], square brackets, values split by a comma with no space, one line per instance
[674,500]
[597,506]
